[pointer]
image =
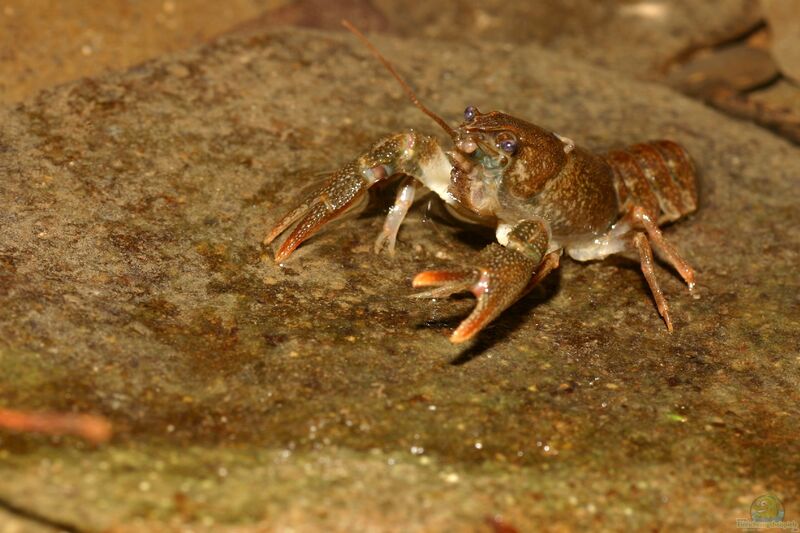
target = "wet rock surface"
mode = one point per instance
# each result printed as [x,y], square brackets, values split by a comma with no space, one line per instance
[316,393]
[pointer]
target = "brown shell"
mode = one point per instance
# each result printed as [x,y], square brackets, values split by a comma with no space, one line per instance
[657,176]
[541,154]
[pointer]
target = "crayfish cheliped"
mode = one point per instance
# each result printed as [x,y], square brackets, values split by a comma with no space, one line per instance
[542,193]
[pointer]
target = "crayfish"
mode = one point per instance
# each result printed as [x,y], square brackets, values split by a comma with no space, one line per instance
[543,194]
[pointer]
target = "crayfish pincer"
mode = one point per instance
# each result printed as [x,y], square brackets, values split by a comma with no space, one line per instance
[543,194]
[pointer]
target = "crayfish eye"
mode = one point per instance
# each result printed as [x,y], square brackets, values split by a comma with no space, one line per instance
[507,143]
[509,146]
[469,113]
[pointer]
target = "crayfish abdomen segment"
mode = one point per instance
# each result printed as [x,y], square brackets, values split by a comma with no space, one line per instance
[658,176]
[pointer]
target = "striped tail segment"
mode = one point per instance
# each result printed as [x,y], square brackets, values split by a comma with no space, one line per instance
[656,175]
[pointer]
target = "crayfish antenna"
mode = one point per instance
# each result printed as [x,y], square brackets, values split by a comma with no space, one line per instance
[439,120]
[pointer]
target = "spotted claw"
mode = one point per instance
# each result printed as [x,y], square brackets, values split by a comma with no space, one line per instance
[409,153]
[338,195]
[501,277]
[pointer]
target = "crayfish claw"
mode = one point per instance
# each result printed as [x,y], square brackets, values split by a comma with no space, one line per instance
[500,279]
[444,282]
[338,195]
[314,217]
[287,220]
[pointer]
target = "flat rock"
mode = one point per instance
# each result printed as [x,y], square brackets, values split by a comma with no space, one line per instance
[315,394]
